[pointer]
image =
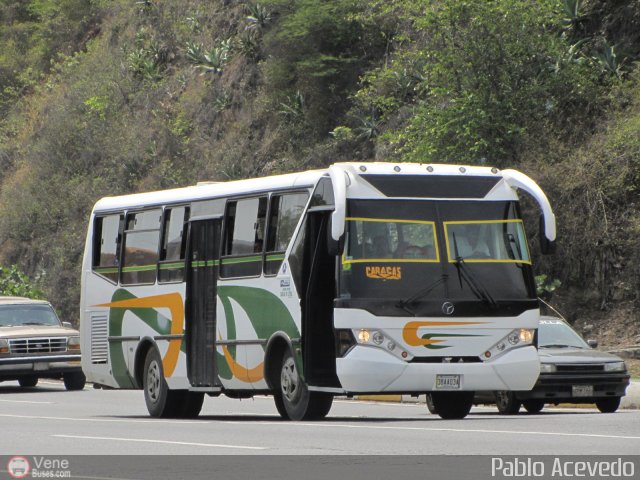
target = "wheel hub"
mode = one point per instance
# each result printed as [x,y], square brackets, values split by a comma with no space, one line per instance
[289,380]
[153,381]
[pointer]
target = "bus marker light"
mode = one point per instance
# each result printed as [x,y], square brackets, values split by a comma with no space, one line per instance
[404,354]
[487,354]
[363,336]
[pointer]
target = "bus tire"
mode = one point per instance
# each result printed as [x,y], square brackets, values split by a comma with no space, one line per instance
[161,402]
[452,405]
[74,380]
[190,404]
[608,404]
[533,406]
[294,398]
[507,402]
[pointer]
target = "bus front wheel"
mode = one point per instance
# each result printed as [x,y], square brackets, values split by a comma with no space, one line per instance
[293,399]
[161,402]
[452,405]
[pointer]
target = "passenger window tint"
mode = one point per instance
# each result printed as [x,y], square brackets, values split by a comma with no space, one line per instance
[283,218]
[106,248]
[174,240]
[244,237]
[141,239]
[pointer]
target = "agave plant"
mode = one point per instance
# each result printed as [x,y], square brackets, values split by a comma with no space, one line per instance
[258,16]
[609,60]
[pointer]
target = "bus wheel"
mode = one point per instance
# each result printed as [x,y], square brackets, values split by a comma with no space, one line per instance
[190,404]
[161,402]
[452,405]
[507,402]
[294,398]
[533,406]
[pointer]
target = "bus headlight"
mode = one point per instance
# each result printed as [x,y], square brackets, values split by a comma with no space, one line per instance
[526,335]
[515,338]
[363,336]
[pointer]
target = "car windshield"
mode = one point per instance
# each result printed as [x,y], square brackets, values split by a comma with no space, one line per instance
[555,333]
[17,315]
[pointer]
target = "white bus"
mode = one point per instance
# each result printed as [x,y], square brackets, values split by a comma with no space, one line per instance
[361,278]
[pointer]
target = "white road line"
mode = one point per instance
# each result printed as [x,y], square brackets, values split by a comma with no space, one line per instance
[167,442]
[99,420]
[25,401]
[427,429]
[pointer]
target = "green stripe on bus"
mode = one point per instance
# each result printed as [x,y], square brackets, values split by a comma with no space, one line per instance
[106,270]
[275,258]
[169,266]
[232,261]
[205,263]
[139,268]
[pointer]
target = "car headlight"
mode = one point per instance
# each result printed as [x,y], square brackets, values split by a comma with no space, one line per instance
[547,368]
[615,367]
[73,344]
[4,346]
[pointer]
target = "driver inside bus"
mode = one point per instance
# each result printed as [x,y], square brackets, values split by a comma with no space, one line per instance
[470,242]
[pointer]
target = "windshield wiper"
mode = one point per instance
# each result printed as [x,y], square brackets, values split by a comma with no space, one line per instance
[555,345]
[465,273]
[403,304]
[34,323]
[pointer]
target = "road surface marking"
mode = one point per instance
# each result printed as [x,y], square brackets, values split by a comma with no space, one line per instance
[25,401]
[167,442]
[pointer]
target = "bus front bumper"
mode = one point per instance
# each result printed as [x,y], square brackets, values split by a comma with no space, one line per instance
[372,370]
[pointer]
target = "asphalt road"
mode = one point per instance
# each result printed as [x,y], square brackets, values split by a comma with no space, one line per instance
[48,420]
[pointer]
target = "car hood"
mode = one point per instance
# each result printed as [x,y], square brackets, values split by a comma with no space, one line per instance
[36,331]
[575,355]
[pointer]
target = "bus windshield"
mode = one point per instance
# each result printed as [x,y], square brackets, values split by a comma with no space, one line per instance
[396,249]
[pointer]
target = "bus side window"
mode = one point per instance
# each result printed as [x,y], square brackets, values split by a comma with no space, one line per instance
[244,237]
[141,236]
[173,246]
[284,215]
[106,246]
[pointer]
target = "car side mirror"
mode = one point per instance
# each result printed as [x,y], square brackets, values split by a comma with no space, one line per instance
[67,324]
[547,246]
[592,343]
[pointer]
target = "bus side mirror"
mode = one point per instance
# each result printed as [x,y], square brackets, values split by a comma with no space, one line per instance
[547,246]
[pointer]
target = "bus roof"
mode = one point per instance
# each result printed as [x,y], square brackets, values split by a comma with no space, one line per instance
[210,190]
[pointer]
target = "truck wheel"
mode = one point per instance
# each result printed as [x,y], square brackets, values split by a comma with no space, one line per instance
[161,402]
[608,404]
[452,405]
[507,402]
[74,380]
[28,381]
[295,398]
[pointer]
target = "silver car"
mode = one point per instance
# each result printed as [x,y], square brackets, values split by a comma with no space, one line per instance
[571,371]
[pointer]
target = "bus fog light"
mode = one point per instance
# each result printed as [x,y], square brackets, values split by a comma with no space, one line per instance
[391,345]
[377,338]
[526,336]
[363,336]
[513,338]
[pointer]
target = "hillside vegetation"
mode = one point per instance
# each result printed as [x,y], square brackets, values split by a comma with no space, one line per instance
[103,97]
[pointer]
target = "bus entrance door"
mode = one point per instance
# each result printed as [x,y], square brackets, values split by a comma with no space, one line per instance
[203,264]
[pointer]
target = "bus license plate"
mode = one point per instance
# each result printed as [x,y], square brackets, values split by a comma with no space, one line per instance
[582,390]
[40,366]
[447,382]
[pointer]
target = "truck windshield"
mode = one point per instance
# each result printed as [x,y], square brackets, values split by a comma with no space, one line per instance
[410,251]
[18,315]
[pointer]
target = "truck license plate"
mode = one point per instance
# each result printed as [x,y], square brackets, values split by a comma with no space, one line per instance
[447,382]
[40,366]
[582,391]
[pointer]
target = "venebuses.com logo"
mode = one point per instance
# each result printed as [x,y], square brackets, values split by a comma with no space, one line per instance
[18,467]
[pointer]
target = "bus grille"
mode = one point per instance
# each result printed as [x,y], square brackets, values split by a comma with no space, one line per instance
[99,338]
[38,345]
